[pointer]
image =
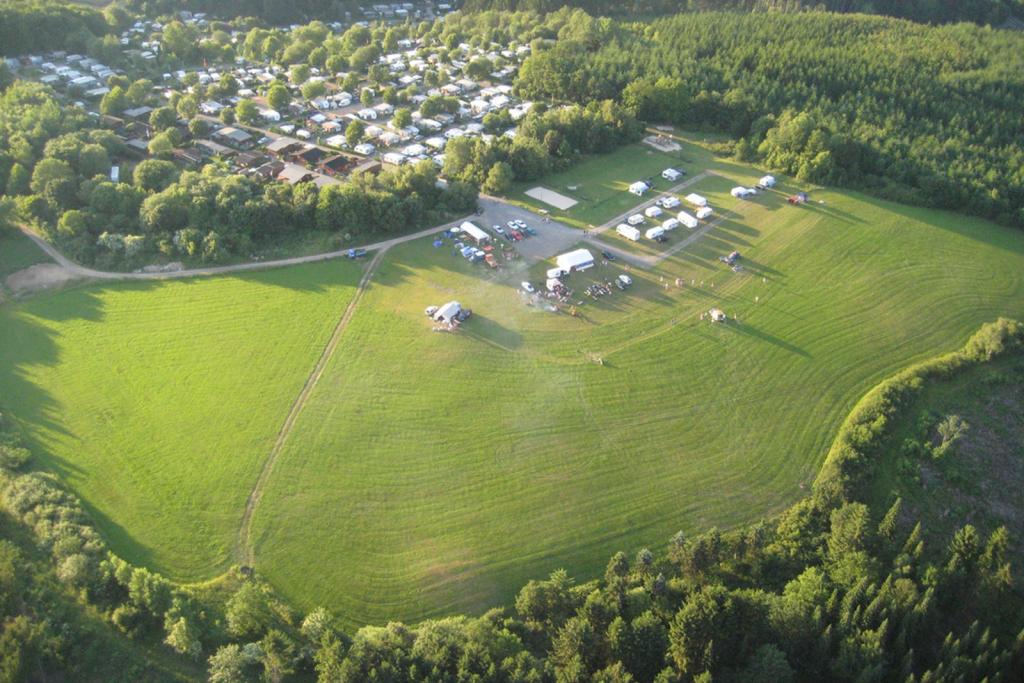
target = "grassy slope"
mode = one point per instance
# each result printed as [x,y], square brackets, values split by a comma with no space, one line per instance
[17,252]
[433,473]
[159,402]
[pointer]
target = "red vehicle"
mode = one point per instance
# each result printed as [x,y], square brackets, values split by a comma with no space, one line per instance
[516,235]
[490,261]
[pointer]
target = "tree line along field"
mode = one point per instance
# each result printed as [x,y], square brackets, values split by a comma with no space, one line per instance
[157,403]
[433,473]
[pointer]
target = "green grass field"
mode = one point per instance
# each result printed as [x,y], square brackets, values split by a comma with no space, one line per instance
[17,252]
[158,402]
[431,473]
[434,473]
[603,181]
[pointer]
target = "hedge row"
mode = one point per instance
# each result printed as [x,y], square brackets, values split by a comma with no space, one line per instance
[858,446]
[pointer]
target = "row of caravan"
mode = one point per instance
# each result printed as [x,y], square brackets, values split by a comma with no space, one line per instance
[631,232]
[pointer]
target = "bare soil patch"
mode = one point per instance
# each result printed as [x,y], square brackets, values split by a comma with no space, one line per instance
[40,277]
[662,143]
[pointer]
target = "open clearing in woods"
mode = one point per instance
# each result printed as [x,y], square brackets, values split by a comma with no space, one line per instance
[431,473]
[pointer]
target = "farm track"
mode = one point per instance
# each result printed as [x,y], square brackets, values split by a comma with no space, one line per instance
[243,549]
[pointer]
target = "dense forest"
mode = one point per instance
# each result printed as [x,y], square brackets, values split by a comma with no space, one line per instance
[978,11]
[918,114]
[277,12]
[833,590]
[33,25]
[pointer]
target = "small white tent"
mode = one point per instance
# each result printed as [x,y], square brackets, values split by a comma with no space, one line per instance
[638,188]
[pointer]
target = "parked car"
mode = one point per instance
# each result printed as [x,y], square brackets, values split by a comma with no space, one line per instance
[608,255]
[527,287]
[625,280]
[498,229]
[530,230]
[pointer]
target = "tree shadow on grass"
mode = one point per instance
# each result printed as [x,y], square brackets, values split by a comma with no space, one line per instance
[120,541]
[27,343]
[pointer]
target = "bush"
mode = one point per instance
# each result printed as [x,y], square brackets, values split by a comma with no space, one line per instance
[850,462]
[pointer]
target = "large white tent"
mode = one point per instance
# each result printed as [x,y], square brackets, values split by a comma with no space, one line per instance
[581,259]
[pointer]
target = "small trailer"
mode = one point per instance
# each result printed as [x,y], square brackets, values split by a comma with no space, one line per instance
[657,234]
[687,220]
[628,231]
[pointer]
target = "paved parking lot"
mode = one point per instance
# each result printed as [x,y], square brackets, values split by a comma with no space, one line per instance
[552,237]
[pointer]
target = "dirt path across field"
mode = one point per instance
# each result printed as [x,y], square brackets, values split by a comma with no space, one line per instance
[244,551]
[79,271]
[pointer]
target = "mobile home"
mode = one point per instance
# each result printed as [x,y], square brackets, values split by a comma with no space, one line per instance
[687,220]
[628,231]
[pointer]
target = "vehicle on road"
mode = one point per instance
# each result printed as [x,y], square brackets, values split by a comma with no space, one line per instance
[356,253]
